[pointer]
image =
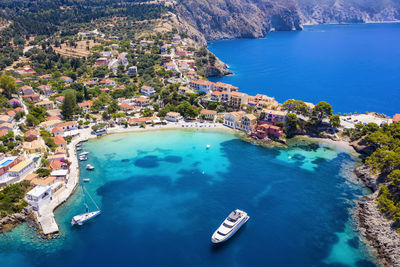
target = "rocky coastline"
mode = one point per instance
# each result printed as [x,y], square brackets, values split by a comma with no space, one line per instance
[11,221]
[377,231]
[373,225]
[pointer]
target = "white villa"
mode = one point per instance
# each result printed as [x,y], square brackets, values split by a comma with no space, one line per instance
[40,195]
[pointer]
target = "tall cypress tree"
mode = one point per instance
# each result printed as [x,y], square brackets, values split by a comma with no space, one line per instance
[69,105]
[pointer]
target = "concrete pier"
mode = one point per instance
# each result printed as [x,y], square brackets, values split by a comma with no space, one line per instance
[45,216]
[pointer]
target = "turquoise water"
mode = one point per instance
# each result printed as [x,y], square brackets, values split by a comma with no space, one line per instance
[353,67]
[163,194]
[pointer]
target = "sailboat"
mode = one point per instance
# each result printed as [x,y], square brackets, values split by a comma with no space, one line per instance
[82,218]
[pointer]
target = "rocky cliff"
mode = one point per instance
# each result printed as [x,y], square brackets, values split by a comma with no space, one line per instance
[348,11]
[227,19]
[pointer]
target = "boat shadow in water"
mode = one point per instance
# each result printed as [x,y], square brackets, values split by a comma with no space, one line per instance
[216,248]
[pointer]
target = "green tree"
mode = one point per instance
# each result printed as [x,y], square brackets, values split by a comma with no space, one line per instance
[296,106]
[335,121]
[147,112]
[69,106]
[187,110]
[394,176]
[291,123]
[31,120]
[322,110]
[8,85]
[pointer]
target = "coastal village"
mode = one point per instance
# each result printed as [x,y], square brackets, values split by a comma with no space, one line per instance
[46,115]
[80,85]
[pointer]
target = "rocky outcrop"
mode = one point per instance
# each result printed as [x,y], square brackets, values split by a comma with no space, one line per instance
[227,19]
[9,222]
[219,69]
[378,231]
[369,179]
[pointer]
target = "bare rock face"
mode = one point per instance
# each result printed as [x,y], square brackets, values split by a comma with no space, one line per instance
[369,179]
[348,11]
[9,222]
[227,19]
[378,231]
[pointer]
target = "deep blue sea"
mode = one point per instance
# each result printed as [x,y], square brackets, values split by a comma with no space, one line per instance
[163,194]
[356,67]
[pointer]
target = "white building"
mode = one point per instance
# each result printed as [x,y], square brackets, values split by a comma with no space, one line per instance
[202,86]
[132,70]
[173,116]
[147,90]
[39,196]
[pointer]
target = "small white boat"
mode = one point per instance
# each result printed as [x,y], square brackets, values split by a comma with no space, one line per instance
[208,146]
[78,149]
[228,228]
[82,158]
[86,180]
[80,219]
[83,153]
[89,167]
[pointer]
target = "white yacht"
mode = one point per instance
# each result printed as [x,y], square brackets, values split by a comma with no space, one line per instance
[88,215]
[228,228]
[83,153]
[82,218]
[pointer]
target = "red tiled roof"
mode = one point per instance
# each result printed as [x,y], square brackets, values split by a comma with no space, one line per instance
[55,164]
[59,140]
[52,118]
[31,132]
[142,99]
[143,119]
[126,106]
[396,118]
[68,123]
[3,132]
[206,111]
[57,129]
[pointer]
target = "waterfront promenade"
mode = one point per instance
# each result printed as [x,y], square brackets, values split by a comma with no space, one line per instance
[45,216]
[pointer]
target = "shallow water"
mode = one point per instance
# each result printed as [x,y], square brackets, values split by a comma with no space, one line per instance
[163,194]
[353,67]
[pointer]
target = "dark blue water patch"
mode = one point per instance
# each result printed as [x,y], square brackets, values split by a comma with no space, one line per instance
[147,162]
[172,159]
[365,263]
[154,161]
[354,242]
[298,157]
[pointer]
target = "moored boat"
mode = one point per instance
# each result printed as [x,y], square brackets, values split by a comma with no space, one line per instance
[86,180]
[82,218]
[231,224]
[89,167]
[83,153]
[82,158]
[88,215]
